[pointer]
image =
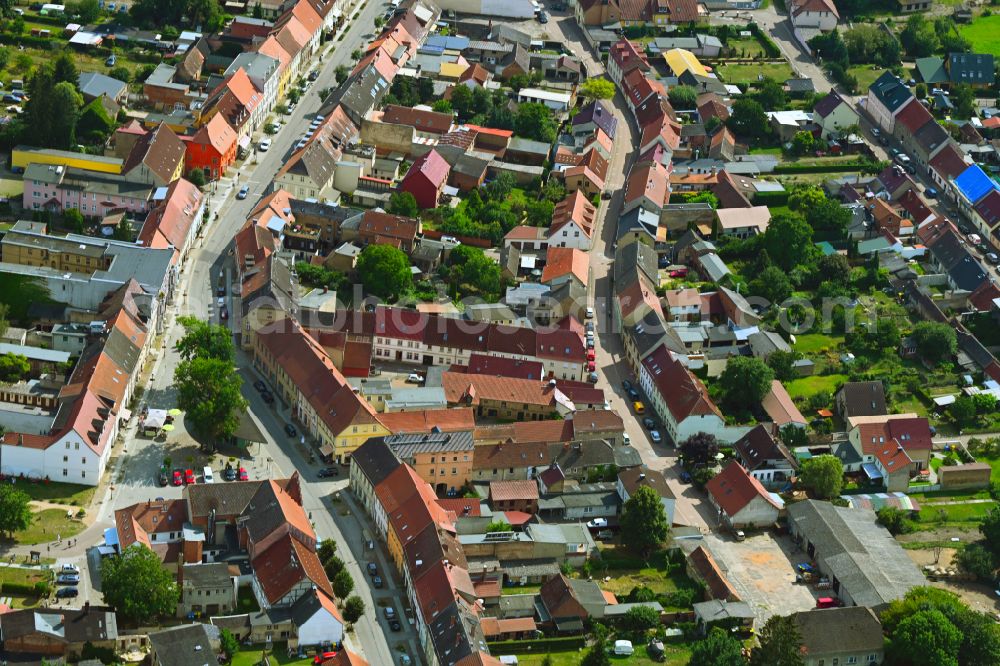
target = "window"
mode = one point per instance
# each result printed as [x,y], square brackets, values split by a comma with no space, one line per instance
[65,458]
[454,471]
[852,660]
[871,658]
[65,472]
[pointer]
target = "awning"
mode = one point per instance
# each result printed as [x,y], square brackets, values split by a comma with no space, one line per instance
[125,414]
[245,141]
[326,450]
[111,536]
[568,624]
[871,471]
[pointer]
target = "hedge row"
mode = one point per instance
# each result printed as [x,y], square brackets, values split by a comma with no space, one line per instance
[562,644]
[770,198]
[819,168]
[26,589]
[771,49]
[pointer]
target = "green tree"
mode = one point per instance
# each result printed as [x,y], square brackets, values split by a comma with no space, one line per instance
[745,381]
[385,271]
[803,143]
[4,57]
[73,219]
[534,121]
[918,38]
[229,643]
[964,99]
[88,11]
[122,73]
[783,364]
[892,519]
[773,284]
[749,120]
[442,106]
[770,94]
[597,89]
[64,70]
[780,644]
[197,177]
[203,339]
[719,648]
[343,584]
[4,318]
[403,203]
[789,241]
[963,410]
[640,619]
[823,476]
[926,638]
[354,608]
[14,367]
[920,90]
[990,528]
[137,586]
[683,97]
[597,655]
[341,73]
[15,510]
[94,125]
[976,561]
[644,525]
[327,549]
[461,101]
[834,267]
[935,341]
[472,272]
[208,389]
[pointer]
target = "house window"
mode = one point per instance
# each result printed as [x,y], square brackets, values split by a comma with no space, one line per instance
[852,660]
[871,658]
[65,458]
[65,472]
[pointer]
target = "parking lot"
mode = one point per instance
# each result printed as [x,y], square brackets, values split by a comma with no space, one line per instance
[762,569]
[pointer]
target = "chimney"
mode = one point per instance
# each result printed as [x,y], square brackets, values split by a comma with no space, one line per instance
[294,489]
[180,569]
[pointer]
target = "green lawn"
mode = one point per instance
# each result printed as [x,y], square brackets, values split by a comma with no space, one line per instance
[24,576]
[627,572]
[250,656]
[816,343]
[58,493]
[745,48]
[955,513]
[992,462]
[47,525]
[676,655]
[246,602]
[865,74]
[746,74]
[984,33]
[805,387]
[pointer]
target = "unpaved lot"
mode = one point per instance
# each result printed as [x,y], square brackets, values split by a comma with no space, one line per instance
[762,569]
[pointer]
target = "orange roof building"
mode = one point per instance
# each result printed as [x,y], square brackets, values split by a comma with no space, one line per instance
[212,149]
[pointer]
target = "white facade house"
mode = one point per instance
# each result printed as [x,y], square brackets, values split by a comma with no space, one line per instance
[818,14]
[679,398]
[834,114]
[741,500]
[556,101]
[264,73]
[318,621]
[570,235]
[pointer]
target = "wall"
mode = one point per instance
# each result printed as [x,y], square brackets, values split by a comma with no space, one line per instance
[964,477]
[387,137]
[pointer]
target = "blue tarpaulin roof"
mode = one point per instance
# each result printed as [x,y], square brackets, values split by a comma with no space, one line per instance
[974,183]
[450,42]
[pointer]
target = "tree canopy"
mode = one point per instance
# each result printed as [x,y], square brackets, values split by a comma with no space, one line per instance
[935,341]
[699,448]
[15,510]
[597,89]
[719,648]
[644,525]
[823,476]
[354,608]
[208,390]
[205,340]
[137,586]
[471,272]
[749,120]
[403,203]
[789,241]
[534,121]
[385,271]
[780,644]
[682,97]
[745,381]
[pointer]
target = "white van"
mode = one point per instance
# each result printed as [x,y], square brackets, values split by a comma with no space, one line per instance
[623,648]
[207,473]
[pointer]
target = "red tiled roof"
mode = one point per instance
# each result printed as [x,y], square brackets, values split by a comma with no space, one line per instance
[574,208]
[982,298]
[461,506]
[431,166]
[683,393]
[949,162]
[733,489]
[422,421]
[284,564]
[914,116]
[625,54]
[563,261]
[501,366]
[216,133]
[424,121]
[501,491]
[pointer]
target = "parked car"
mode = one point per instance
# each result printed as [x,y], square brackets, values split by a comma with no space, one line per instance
[592,378]
[68,579]
[654,435]
[313,75]
[395,625]
[229,473]
[627,385]
[189,477]
[589,326]
[590,343]
[931,193]
[243,474]
[372,569]
[649,423]
[597,522]
[414,378]
[543,17]
[678,273]
[244,191]
[590,313]
[163,477]
[377,582]
[327,472]
[389,612]
[264,145]
[638,407]
[633,394]
[178,478]
[591,366]
[267,397]
[111,61]
[67,592]
[290,430]
[992,258]
[69,568]
[450,239]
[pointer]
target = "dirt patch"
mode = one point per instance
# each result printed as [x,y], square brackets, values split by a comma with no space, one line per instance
[927,557]
[978,597]
[761,559]
[946,533]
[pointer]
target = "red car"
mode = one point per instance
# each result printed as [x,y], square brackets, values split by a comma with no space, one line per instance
[591,366]
[178,478]
[320,658]
[243,474]
[590,355]
[679,273]
[189,476]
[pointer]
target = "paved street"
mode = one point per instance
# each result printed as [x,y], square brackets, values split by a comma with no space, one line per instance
[134,477]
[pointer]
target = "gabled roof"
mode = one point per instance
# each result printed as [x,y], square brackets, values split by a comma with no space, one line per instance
[574,208]
[891,91]
[216,133]
[683,393]
[834,631]
[816,6]
[779,406]
[760,445]
[973,68]
[160,151]
[431,166]
[862,398]
[733,489]
[597,112]
[420,119]
[284,565]
[563,261]
[974,183]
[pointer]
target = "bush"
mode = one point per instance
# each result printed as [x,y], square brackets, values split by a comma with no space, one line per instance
[39,589]
[770,198]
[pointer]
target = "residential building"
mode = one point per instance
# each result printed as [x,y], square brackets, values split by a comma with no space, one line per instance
[679,398]
[633,478]
[860,399]
[741,500]
[206,589]
[743,222]
[834,115]
[519,496]
[184,645]
[886,98]
[818,14]
[765,457]
[572,222]
[177,214]
[851,635]
[213,148]
[780,408]
[426,179]
[57,633]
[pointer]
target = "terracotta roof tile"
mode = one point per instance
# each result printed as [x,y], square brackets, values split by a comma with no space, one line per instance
[733,489]
[563,261]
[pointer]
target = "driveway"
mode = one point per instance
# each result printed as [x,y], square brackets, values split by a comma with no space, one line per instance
[762,569]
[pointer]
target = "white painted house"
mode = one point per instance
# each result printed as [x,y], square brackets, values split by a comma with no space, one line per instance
[834,114]
[678,397]
[741,500]
[817,14]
